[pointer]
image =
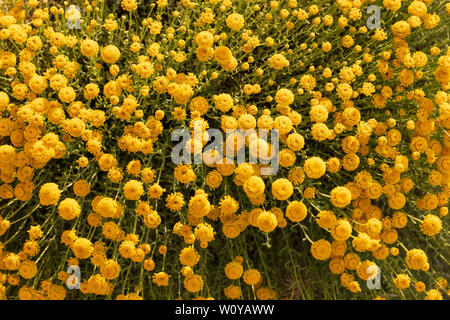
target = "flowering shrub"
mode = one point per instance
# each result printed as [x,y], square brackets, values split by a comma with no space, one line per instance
[89,99]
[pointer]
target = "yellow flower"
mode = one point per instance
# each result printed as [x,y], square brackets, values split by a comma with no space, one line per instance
[82,248]
[392,5]
[161,279]
[175,201]
[89,48]
[367,269]
[230,230]
[318,113]
[266,221]
[431,225]
[81,188]
[397,201]
[49,194]
[341,230]
[401,29]
[67,94]
[254,187]
[296,175]
[235,21]
[402,281]
[69,209]
[362,242]
[282,189]
[283,124]
[155,191]
[234,270]
[416,259]
[233,292]
[223,102]
[129,5]
[28,269]
[284,97]
[213,179]
[314,167]
[184,173]
[419,286]
[127,249]
[321,249]
[326,219]
[189,257]
[199,205]
[37,83]
[194,283]
[295,141]
[278,61]
[133,190]
[110,54]
[204,39]
[110,269]
[340,197]
[347,41]
[149,264]
[296,211]
[252,277]
[433,294]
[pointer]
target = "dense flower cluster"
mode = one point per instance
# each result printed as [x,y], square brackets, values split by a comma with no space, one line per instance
[89,99]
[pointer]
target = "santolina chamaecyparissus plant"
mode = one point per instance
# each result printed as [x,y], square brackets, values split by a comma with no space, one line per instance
[93,205]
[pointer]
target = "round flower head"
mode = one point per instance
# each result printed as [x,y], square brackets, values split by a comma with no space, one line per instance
[193,283]
[252,276]
[431,225]
[82,248]
[340,197]
[89,48]
[433,294]
[28,269]
[235,21]
[416,259]
[314,167]
[161,279]
[326,219]
[189,257]
[233,292]
[204,39]
[69,209]
[254,186]
[81,188]
[296,211]
[295,141]
[341,230]
[129,5]
[234,270]
[199,205]
[367,269]
[49,194]
[284,97]
[278,61]
[110,54]
[110,269]
[402,281]
[321,249]
[133,190]
[266,221]
[282,189]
